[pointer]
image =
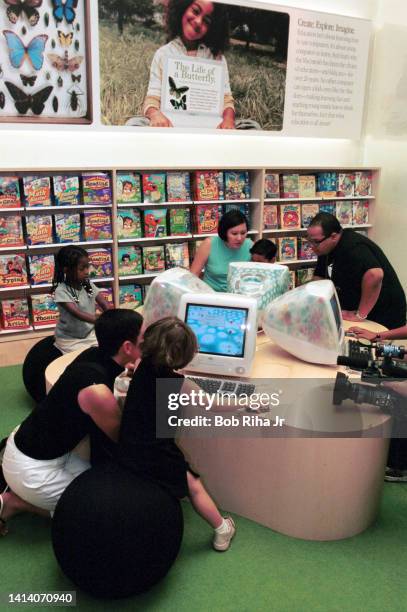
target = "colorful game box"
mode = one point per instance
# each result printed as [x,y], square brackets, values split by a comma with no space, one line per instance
[304,275]
[328,207]
[37,190]
[15,314]
[270,216]
[306,186]
[308,212]
[100,263]
[326,184]
[271,185]
[107,294]
[66,190]
[242,207]
[129,261]
[67,227]
[13,271]
[237,185]
[344,212]
[178,187]
[180,221]
[11,231]
[155,222]
[206,218]
[97,224]
[290,185]
[363,183]
[96,188]
[177,255]
[128,187]
[208,185]
[39,229]
[287,248]
[153,259]
[41,269]
[154,187]
[360,212]
[290,216]
[305,249]
[128,223]
[9,192]
[130,296]
[346,185]
[44,310]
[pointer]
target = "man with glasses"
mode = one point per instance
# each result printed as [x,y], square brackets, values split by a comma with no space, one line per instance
[365,281]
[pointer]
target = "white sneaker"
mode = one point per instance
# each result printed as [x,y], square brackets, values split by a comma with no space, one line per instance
[221,541]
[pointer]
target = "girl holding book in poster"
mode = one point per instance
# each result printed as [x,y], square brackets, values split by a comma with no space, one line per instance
[197,28]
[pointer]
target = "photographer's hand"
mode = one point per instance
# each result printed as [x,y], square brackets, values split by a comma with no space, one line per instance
[361,332]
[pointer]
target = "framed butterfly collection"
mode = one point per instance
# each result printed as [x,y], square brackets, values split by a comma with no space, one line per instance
[45,61]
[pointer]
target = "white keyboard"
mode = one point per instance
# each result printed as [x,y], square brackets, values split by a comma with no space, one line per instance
[221,385]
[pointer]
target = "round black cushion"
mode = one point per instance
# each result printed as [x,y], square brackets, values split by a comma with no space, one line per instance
[115,535]
[35,364]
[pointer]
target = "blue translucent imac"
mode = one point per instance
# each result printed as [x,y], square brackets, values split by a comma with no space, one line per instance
[225,327]
[307,322]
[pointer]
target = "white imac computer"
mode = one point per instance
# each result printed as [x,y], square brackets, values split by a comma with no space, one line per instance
[225,327]
[307,322]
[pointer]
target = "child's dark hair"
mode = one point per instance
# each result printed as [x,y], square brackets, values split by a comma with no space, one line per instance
[170,343]
[217,36]
[66,264]
[230,219]
[114,327]
[264,247]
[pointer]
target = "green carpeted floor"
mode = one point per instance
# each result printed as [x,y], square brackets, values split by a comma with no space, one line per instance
[263,570]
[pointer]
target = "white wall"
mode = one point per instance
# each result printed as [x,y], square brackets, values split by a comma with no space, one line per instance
[386,131]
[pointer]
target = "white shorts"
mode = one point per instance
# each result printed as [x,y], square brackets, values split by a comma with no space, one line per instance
[40,482]
[67,345]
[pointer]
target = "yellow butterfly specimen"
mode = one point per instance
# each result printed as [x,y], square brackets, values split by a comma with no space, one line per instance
[65,40]
[64,63]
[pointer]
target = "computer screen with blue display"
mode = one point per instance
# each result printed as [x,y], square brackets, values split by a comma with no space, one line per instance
[225,328]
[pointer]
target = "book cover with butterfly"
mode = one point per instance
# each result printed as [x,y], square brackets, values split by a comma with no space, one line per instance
[44,310]
[129,223]
[177,255]
[107,294]
[11,231]
[154,187]
[237,185]
[45,76]
[68,227]
[41,269]
[10,192]
[66,190]
[270,216]
[272,185]
[128,188]
[96,188]
[15,314]
[100,263]
[130,296]
[13,270]
[154,258]
[97,224]
[155,222]
[130,261]
[208,185]
[39,229]
[37,190]
[178,186]
[180,221]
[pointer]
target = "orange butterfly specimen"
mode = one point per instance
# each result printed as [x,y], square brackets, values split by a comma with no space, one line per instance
[65,63]
[65,40]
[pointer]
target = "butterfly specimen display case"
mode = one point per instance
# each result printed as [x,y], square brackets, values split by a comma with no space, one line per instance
[44,61]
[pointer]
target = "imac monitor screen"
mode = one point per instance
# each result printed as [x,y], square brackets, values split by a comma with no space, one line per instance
[225,328]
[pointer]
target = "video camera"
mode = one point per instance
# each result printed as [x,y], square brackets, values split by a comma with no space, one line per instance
[384,366]
[363,394]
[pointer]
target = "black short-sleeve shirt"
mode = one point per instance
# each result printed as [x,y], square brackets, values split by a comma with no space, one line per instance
[354,255]
[58,424]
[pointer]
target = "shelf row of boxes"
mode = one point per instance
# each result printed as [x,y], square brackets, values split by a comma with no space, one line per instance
[296,216]
[321,184]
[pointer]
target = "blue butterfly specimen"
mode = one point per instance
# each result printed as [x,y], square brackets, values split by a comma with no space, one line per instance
[34,52]
[28,7]
[64,10]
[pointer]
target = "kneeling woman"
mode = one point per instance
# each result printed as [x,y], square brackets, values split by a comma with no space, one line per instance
[215,254]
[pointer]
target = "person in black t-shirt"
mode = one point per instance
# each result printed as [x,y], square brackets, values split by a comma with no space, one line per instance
[365,281]
[38,464]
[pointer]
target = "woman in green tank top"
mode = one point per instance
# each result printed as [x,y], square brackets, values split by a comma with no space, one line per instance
[215,254]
